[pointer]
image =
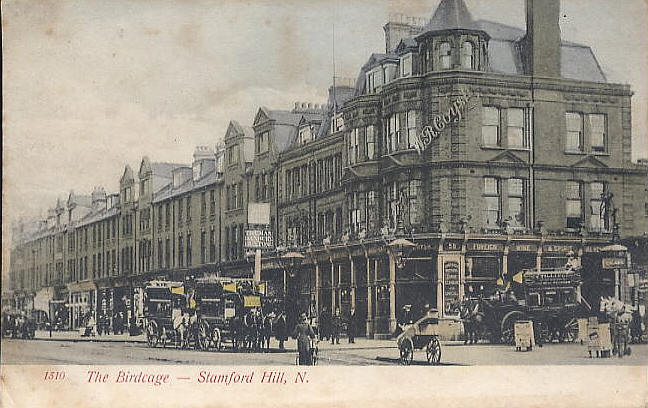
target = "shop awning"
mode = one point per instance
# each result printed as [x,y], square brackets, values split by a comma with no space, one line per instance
[81,286]
[43,298]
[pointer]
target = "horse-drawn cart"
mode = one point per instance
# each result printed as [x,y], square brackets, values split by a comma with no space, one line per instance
[422,334]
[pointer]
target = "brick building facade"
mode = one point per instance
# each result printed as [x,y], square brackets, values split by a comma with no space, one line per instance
[487,148]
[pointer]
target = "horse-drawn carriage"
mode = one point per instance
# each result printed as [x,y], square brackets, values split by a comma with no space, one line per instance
[421,334]
[167,320]
[549,298]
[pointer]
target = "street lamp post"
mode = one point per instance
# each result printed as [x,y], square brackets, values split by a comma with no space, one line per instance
[292,260]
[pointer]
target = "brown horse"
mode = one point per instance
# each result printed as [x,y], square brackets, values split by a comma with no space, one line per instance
[472,316]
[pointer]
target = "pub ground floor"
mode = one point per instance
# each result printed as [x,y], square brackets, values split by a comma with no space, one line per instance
[377,278]
[381,279]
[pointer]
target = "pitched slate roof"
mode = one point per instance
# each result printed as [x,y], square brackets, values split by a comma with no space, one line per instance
[577,61]
[285,129]
[451,15]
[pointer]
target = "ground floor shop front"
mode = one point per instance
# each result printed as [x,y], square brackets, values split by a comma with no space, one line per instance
[380,280]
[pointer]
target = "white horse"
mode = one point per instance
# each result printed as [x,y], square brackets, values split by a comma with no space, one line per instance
[181,327]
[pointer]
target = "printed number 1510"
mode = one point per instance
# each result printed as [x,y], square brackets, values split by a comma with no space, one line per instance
[54,375]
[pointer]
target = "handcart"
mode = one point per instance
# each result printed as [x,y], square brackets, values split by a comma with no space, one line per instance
[422,334]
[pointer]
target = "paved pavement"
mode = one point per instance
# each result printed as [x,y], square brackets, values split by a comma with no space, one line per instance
[70,348]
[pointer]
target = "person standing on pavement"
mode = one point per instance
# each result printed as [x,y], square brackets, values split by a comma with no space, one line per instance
[281,329]
[336,327]
[351,326]
[304,333]
[325,324]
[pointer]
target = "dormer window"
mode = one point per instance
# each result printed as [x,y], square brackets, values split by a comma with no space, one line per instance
[337,123]
[445,56]
[467,55]
[305,134]
[406,65]
[262,142]
[375,79]
[232,154]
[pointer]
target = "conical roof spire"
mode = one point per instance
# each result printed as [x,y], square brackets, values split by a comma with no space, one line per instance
[451,15]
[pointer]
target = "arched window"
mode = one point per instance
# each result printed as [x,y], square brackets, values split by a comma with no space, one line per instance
[467,55]
[445,60]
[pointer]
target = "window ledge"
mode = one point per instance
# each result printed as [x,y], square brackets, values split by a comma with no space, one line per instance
[575,152]
[519,149]
[491,147]
[600,154]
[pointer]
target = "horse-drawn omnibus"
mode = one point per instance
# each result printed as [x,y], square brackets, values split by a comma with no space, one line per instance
[165,315]
[229,310]
[550,298]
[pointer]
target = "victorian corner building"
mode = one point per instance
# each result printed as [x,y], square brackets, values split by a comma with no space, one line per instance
[464,153]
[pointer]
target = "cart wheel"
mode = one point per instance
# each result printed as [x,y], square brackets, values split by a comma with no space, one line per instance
[569,331]
[216,338]
[152,336]
[406,352]
[433,351]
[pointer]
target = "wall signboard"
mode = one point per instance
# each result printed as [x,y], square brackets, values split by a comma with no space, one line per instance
[451,272]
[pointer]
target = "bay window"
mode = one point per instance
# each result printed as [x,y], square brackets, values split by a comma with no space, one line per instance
[354,137]
[392,131]
[411,128]
[370,142]
[445,56]
[406,65]
[467,55]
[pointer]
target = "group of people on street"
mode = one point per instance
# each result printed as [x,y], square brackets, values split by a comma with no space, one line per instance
[329,327]
[18,325]
[101,325]
[332,326]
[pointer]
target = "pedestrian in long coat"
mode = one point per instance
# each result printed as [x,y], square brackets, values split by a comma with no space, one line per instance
[336,327]
[304,333]
[281,330]
[325,324]
[351,326]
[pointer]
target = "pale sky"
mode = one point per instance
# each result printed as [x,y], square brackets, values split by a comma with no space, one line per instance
[92,85]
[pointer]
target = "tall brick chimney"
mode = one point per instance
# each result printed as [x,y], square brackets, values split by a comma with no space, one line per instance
[541,44]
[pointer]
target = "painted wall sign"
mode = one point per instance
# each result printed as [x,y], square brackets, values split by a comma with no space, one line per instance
[485,246]
[453,115]
[452,245]
[450,285]
[524,248]
[611,263]
[557,248]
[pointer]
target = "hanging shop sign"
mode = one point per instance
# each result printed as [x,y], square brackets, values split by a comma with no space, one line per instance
[258,239]
[454,114]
